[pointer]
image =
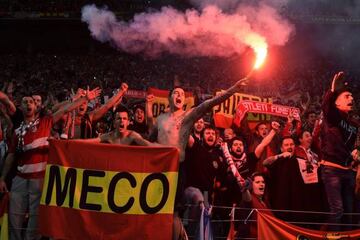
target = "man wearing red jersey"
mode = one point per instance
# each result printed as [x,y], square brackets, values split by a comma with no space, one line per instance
[29,148]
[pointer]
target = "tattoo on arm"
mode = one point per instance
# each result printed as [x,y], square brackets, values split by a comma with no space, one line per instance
[270,160]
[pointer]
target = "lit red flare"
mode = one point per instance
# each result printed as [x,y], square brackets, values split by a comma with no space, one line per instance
[261,53]
[259,45]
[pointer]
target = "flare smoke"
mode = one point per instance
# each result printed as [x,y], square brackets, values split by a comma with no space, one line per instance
[209,31]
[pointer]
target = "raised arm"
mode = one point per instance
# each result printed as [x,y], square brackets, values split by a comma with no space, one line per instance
[100,112]
[5,120]
[275,126]
[149,113]
[337,83]
[7,166]
[10,106]
[79,93]
[191,141]
[90,95]
[289,129]
[206,106]
[305,105]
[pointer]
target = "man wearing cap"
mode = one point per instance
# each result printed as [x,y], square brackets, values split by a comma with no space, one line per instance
[338,136]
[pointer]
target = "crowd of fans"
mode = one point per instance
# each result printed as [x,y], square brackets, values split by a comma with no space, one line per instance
[67,8]
[40,72]
[239,166]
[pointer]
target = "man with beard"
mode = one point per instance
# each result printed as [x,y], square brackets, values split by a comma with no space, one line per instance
[338,137]
[310,189]
[244,162]
[204,166]
[121,134]
[281,170]
[287,188]
[29,149]
[203,162]
[81,127]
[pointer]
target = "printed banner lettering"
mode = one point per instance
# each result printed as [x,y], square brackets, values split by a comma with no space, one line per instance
[224,113]
[103,191]
[131,93]
[266,108]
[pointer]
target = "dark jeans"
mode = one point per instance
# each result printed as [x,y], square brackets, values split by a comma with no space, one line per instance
[339,187]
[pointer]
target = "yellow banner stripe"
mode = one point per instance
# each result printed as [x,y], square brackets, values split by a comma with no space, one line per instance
[126,190]
[4,232]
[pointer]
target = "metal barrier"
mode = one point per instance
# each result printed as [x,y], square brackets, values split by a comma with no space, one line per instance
[188,221]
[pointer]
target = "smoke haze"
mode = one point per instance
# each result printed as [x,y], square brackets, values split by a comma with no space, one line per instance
[215,28]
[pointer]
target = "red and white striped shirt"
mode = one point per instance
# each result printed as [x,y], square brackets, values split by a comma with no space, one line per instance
[32,160]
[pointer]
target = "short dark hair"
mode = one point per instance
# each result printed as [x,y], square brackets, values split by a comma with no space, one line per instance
[28,94]
[122,109]
[286,137]
[301,135]
[211,127]
[237,138]
[259,124]
[42,95]
[307,113]
[171,90]
[256,174]
[138,106]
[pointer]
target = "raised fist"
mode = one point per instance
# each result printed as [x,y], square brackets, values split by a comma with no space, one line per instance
[124,87]
[150,98]
[275,125]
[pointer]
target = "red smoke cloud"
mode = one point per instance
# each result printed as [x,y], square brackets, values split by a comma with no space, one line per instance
[206,32]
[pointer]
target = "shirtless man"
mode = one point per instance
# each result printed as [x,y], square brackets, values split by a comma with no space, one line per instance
[121,135]
[174,127]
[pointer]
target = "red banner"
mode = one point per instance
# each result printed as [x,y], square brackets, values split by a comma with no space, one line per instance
[131,93]
[266,108]
[270,227]
[224,113]
[103,191]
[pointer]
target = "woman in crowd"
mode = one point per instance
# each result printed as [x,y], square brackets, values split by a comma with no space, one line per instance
[253,198]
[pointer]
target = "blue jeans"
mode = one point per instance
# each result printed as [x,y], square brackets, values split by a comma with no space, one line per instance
[339,187]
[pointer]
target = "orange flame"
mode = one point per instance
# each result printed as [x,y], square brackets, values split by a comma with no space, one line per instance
[261,53]
[260,47]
